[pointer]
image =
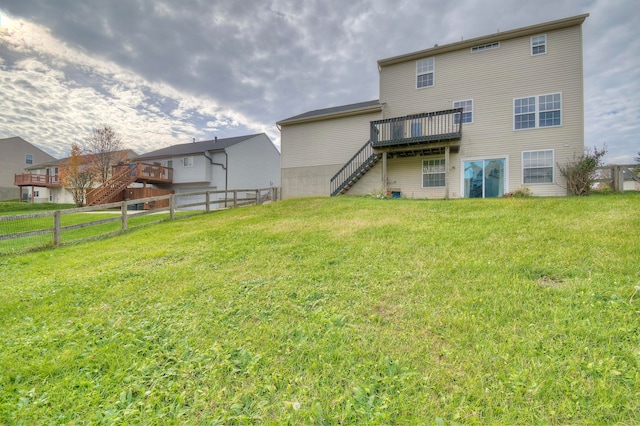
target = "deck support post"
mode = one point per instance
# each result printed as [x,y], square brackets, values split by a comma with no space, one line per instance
[384,173]
[446,174]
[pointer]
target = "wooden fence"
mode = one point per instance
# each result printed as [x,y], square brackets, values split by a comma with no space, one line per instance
[19,233]
[619,177]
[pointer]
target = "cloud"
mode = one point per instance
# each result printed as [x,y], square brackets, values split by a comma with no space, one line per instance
[168,71]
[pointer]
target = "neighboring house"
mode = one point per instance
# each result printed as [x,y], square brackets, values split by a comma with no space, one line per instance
[41,182]
[475,118]
[242,162]
[15,155]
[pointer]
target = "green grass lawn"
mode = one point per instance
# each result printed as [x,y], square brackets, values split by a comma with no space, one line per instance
[346,310]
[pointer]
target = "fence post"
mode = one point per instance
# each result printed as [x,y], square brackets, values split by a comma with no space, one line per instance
[123,211]
[235,198]
[207,200]
[257,197]
[56,228]
[172,206]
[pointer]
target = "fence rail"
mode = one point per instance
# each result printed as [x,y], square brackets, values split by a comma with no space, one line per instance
[25,232]
[619,177]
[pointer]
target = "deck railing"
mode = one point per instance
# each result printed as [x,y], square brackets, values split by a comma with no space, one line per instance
[357,165]
[146,171]
[34,179]
[418,128]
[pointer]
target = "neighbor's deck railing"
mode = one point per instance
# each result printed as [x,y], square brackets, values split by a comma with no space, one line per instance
[20,233]
[24,179]
[418,128]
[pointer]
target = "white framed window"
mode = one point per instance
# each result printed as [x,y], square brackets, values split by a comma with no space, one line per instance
[537,111]
[433,173]
[425,69]
[549,107]
[187,161]
[539,45]
[537,166]
[28,158]
[484,47]
[467,111]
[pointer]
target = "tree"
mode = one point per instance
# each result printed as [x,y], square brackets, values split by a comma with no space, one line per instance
[581,174]
[75,175]
[104,149]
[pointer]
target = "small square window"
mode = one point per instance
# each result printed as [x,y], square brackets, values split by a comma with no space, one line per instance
[467,111]
[187,161]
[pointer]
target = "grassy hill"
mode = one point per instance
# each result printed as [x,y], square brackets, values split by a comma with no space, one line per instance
[345,310]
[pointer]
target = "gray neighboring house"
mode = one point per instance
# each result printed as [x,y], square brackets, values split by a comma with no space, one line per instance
[242,162]
[16,155]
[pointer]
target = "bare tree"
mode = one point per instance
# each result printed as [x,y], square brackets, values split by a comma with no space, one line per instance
[75,176]
[104,148]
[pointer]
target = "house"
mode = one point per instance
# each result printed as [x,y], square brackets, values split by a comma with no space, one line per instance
[242,162]
[475,118]
[40,182]
[15,155]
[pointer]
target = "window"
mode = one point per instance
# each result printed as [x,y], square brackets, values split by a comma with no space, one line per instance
[467,111]
[169,163]
[28,158]
[424,72]
[537,166]
[433,173]
[484,47]
[187,161]
[538,45]
[537,111]
[549,110]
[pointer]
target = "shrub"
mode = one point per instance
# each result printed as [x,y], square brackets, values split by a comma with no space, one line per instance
[581,174]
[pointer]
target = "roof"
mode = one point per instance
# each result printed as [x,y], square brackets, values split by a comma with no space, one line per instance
[333,112]
[196,147]
[129,153]
[492,38]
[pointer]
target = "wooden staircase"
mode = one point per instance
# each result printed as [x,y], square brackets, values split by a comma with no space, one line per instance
[112,187]
[354,169]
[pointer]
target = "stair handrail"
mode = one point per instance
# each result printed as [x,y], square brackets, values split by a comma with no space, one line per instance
[98,193]
[356,163]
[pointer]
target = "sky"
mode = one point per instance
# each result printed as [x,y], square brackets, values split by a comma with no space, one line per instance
[166,72]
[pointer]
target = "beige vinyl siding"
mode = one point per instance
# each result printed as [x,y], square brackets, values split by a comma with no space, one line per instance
[313,152]
[493,78]
[324,142]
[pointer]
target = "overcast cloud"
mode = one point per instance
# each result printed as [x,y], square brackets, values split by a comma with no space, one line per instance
[165,72]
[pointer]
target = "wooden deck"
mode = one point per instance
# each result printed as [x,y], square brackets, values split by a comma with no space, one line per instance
[146,172]
[31,179]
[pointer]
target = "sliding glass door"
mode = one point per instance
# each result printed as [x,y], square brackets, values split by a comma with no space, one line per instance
[484,178]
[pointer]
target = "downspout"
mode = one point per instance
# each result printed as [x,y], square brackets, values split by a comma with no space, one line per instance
[226,171]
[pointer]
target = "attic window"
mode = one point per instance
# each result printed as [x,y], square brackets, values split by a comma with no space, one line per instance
[28,158]
[187,161]
[485,47]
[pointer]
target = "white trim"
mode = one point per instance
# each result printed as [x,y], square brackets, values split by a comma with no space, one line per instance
[531,46]
[483,158]
[453,104]
[536,112]
[432,72]
[485,47]
[422,173]
[553,167]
